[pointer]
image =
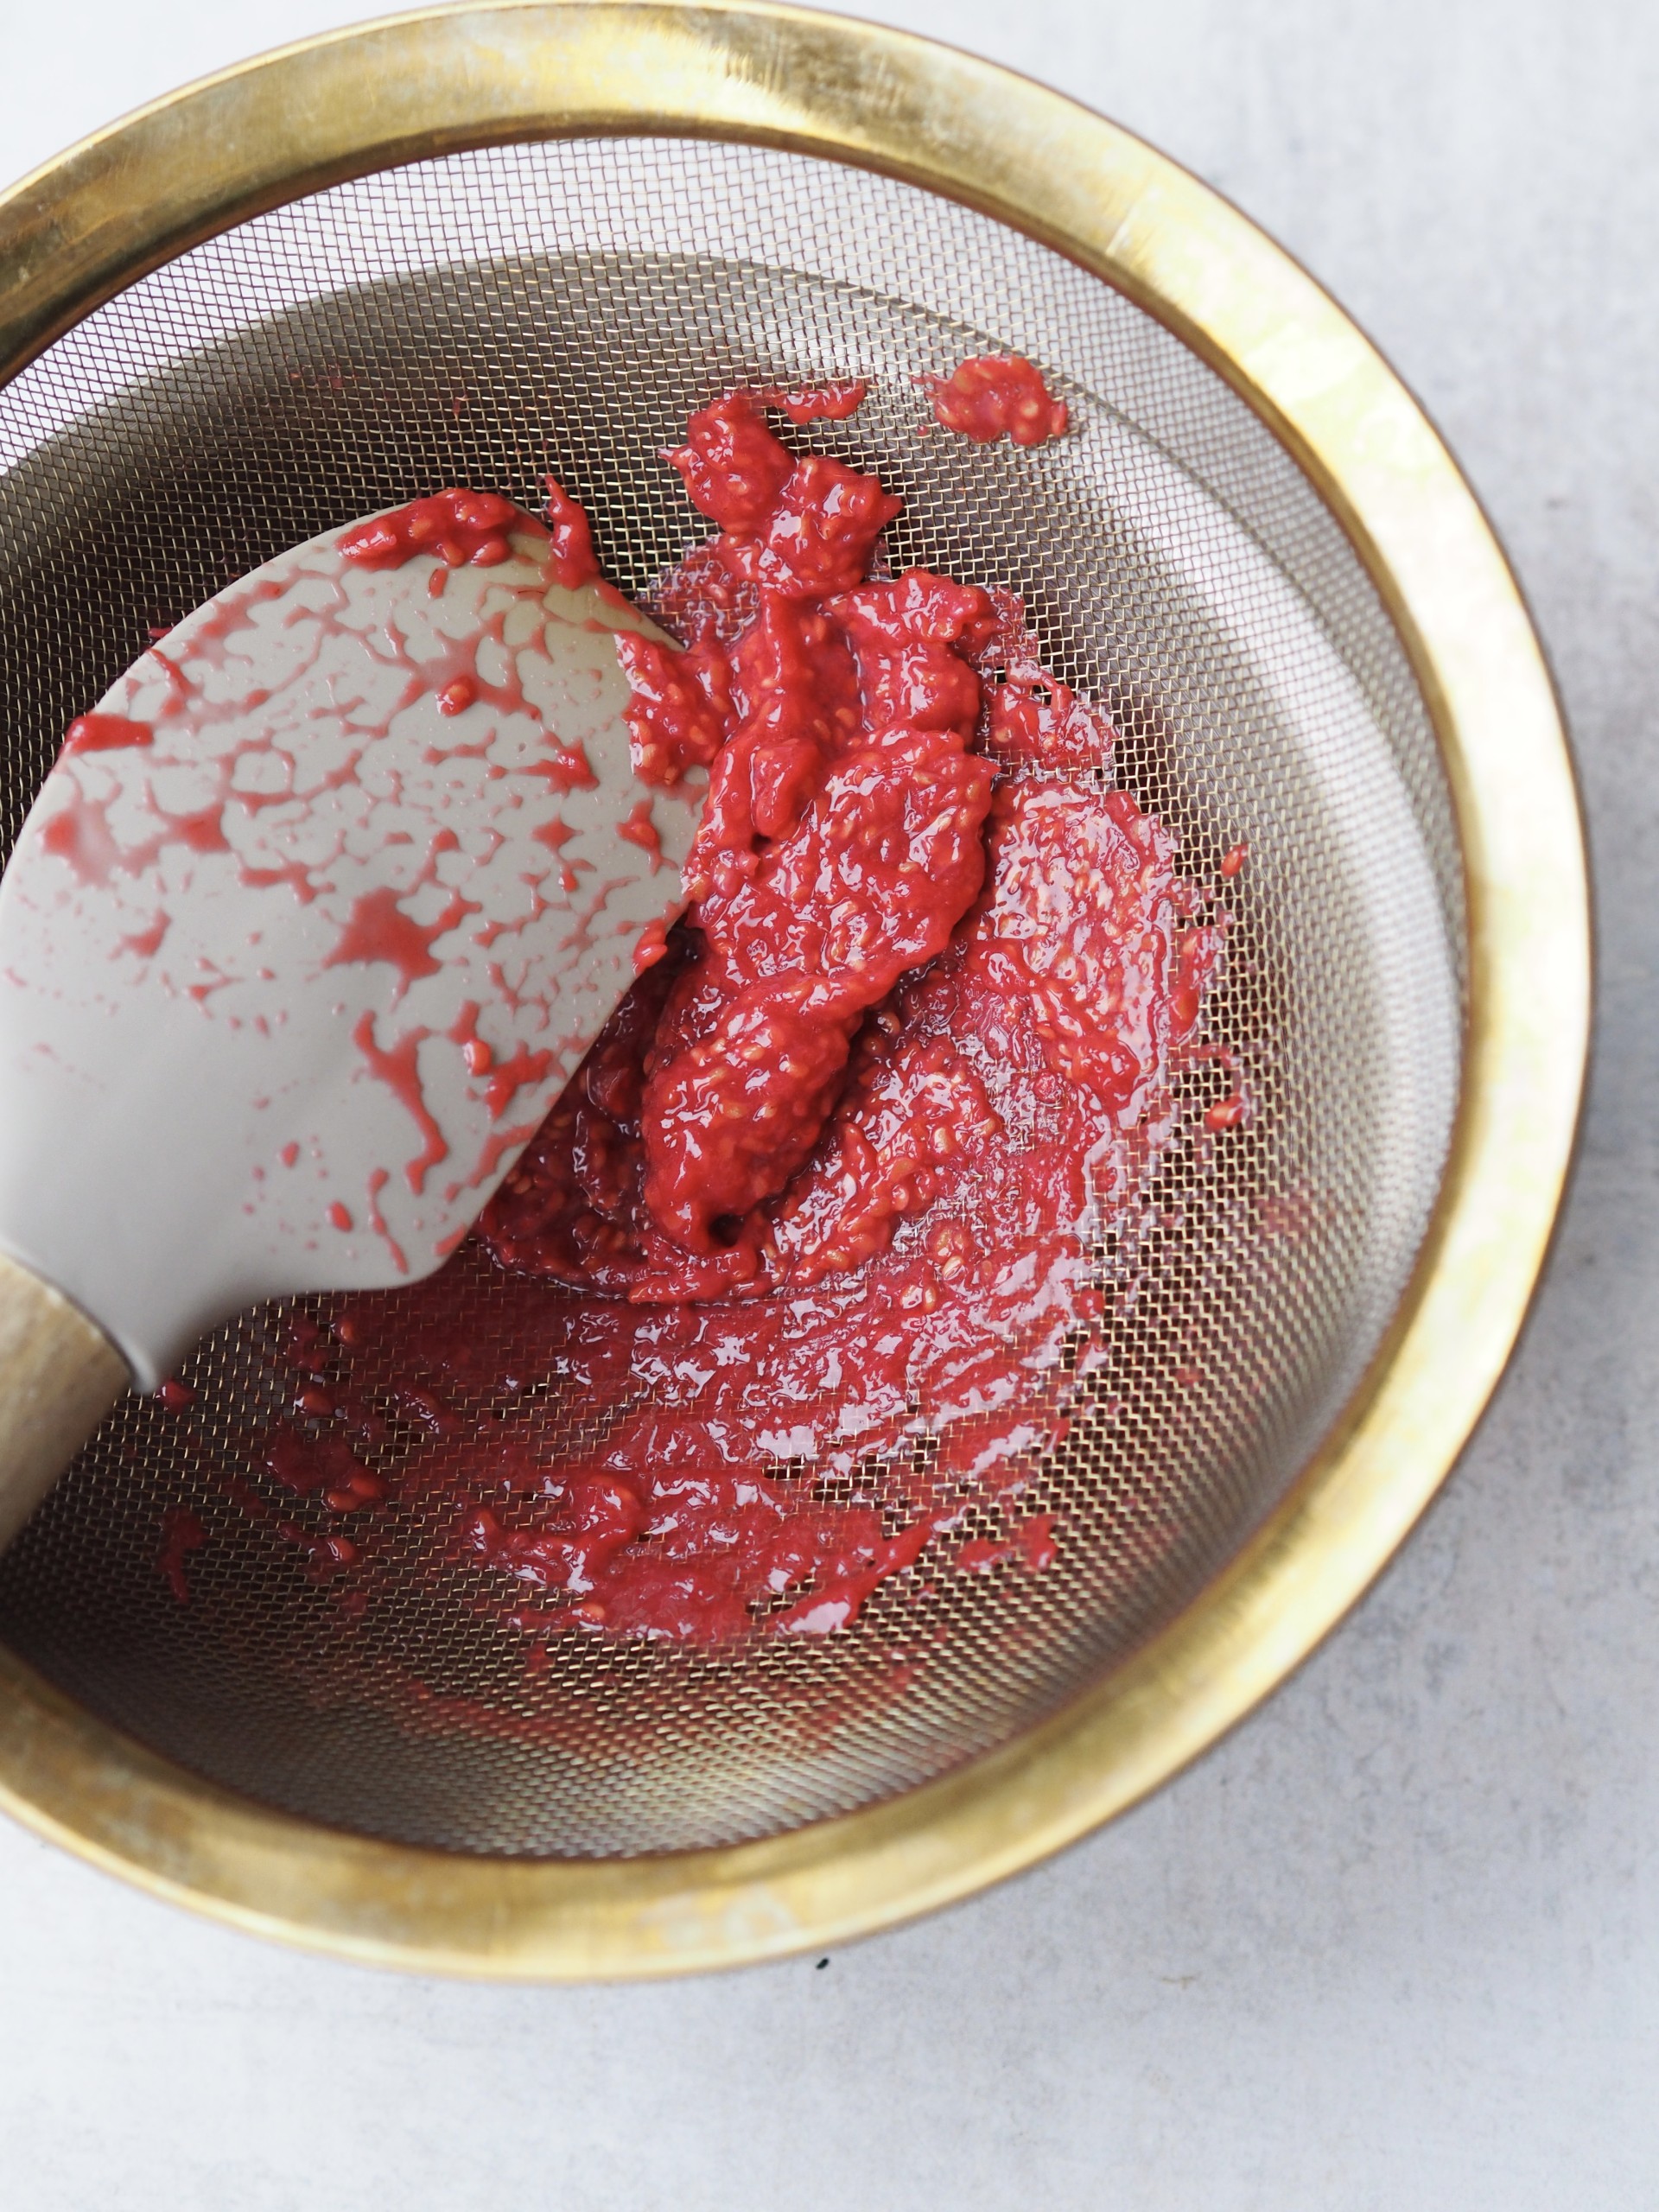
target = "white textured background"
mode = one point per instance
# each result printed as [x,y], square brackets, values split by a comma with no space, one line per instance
[1396,1944]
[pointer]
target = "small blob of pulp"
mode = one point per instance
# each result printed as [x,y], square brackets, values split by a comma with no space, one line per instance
[995,396]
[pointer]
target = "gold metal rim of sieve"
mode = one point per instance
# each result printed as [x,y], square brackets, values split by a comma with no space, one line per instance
[133,196]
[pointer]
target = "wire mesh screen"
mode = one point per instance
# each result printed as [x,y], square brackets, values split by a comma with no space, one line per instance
[481,320]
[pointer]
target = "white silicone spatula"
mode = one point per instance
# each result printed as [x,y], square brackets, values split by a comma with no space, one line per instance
[309,925]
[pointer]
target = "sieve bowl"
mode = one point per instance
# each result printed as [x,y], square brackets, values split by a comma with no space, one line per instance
[473,244]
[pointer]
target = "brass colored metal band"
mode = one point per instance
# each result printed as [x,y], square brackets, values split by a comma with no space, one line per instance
[63,1375]
[433,82]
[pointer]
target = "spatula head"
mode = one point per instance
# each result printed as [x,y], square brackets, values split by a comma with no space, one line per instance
[311,923]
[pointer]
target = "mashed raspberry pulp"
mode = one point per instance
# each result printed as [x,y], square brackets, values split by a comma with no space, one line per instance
[805,1254]
[993,396]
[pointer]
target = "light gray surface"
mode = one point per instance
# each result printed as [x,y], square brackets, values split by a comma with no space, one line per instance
[1395,1943]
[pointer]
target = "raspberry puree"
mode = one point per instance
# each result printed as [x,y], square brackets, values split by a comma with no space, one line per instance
[995,396]
[105,734]
[799,1268]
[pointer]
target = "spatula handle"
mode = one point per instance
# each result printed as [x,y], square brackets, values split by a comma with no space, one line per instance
[59,1377]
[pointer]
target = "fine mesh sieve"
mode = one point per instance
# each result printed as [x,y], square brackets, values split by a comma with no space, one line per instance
[492,313]
[478,319]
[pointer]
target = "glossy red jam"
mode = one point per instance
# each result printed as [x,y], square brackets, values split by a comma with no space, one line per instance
[105,734]
[997,396]
[797,1271]
[802,527]
[574,561]
[458,526]
[815,403]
